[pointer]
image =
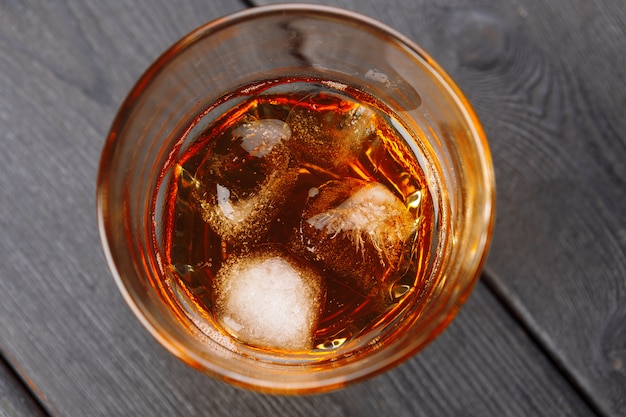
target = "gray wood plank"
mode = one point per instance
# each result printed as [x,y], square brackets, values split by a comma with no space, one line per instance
[547,81]
[15,399]
[64,69]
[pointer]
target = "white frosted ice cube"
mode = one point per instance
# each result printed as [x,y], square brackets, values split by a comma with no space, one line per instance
[270,299]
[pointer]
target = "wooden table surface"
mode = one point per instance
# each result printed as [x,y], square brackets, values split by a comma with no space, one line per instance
[544,332]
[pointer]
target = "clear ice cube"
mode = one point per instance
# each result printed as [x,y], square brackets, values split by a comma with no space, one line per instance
[328,129]
[357,230]
[270,299]
[245,179]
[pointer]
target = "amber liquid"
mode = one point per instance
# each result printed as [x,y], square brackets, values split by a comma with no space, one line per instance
[197,245]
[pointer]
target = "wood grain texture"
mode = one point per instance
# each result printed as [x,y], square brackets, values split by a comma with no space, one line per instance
[547,81]
[65,66]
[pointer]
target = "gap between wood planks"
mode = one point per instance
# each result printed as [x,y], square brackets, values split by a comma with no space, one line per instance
[34,403]
[502,295]
[248,3]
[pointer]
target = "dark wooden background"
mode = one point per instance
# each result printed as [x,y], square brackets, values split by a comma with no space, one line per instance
[543,334]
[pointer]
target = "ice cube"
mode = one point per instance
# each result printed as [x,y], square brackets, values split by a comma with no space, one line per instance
[327,129]
[258,138]
[270,299]
[357,230]
[245,179]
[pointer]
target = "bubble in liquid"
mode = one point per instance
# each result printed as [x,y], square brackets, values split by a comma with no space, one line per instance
[332,344]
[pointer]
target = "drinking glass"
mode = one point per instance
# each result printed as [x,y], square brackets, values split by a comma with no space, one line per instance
[299,41]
